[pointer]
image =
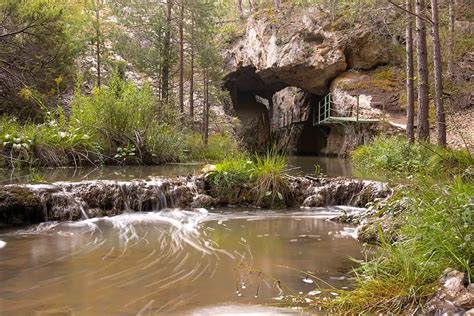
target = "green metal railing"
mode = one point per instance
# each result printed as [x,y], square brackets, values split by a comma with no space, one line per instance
[323,111]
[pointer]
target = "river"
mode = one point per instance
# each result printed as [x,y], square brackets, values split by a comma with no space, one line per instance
[174,262]
[298,165]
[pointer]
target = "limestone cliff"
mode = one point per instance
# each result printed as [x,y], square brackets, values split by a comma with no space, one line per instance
[282,67]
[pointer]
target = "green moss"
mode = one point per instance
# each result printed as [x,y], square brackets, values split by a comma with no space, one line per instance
[384,78]
[19,206]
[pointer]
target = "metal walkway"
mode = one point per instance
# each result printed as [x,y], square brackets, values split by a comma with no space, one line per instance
[323,114]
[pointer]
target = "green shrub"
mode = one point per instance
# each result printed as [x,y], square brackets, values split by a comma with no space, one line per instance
[219,147]
[119,123]
[118,116]
[396,155]
[166,143]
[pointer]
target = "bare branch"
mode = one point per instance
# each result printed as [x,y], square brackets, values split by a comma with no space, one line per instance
[409,12]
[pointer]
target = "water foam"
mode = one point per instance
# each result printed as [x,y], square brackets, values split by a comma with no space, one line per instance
[2,244]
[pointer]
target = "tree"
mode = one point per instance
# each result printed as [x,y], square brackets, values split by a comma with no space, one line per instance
[191,66]
[35,49]
[97,6]
[422,70]
[410,74]
[181,57]
[451,38]
[166,65]
[205,112]
[438,76]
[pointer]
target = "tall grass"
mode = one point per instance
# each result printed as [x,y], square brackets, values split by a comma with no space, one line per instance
[260,180]
[436,226]
[219,147]
[436,234]
[272,188]
[395,155]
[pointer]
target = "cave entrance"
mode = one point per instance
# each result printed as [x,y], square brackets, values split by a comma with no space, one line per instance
[273,111]
[313,140]
[253,110]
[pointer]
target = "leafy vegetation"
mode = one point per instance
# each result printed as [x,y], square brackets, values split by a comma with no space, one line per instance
[434,228]
[259,180]
[396,156]
[52,143]
[117,124]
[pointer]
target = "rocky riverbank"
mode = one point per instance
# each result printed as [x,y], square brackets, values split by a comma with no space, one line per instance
[25,204]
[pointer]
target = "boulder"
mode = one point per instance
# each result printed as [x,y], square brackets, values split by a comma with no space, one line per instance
[19,206]
[452,296]
[203,201]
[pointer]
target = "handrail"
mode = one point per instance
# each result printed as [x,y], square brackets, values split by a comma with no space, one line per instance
[324,110]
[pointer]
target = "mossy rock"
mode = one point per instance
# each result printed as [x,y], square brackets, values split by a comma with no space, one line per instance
[19,206]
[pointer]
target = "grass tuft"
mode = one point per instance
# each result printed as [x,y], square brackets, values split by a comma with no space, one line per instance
[259,180]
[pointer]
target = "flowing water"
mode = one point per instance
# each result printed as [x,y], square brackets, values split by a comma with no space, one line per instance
[174,262]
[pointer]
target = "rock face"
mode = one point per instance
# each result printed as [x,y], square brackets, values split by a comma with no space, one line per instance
[297,47]
[452,297]
[341,191]
[288,60]
[378,91]
[291,49]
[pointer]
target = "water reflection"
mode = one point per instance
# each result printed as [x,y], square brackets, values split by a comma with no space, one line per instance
[98,173]
[299,165]
[329,166]
[171,262]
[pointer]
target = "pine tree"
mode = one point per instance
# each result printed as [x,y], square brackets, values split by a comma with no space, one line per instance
[438,76]
[410,73]
[422,70]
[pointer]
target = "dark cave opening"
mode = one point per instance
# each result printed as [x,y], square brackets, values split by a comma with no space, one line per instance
[312,139]
[266,110]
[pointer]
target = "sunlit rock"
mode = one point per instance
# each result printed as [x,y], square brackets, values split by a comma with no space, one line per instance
[452,296]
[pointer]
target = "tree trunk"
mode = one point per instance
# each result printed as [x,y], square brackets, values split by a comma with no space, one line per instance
[334,5]
[253,5]
[191,78]
[205,111]
[240,12]
[181,58]
[410,74]
[451,38]
[438,76]
[97,41]
[165,69]
[422,69]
